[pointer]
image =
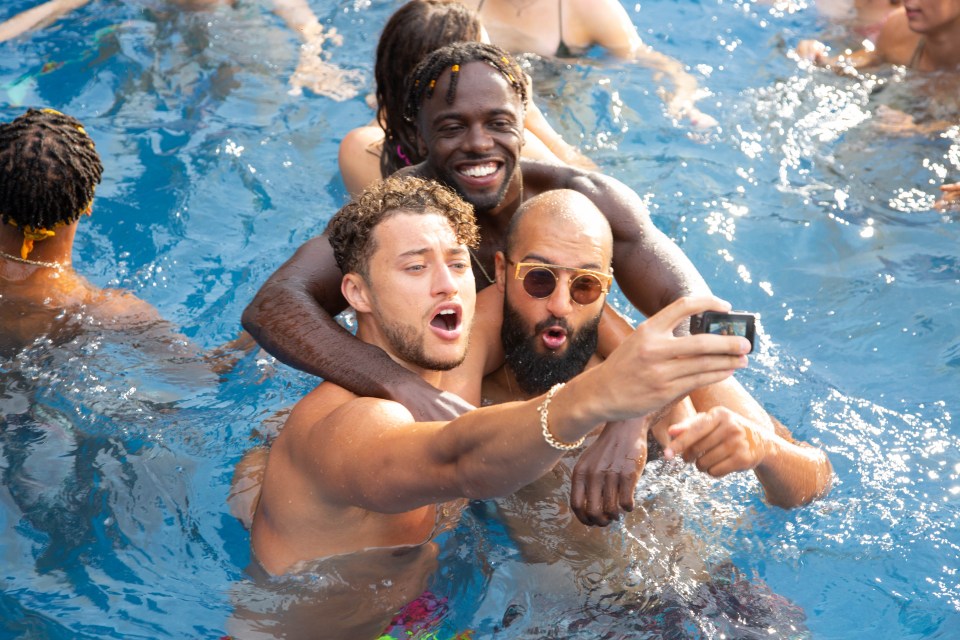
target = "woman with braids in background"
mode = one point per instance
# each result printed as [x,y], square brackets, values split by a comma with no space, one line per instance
[389,142]
[49,169]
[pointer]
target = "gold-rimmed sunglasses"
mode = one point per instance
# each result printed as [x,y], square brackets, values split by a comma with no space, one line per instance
[540,280]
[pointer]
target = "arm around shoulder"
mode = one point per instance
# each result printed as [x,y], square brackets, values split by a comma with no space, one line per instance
[292,318]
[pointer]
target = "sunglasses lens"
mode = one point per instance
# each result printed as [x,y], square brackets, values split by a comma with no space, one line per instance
[539,283]
[585,289]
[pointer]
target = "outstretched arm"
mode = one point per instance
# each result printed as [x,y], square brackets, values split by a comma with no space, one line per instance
[733,433]
[37,17]
[896,44]
[292,318]
[498,449]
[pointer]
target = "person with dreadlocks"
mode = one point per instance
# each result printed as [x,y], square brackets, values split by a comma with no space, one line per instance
[467,101]
[388,143]
[49,168]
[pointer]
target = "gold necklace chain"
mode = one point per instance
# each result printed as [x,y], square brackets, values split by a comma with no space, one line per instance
[36,263]
[480,264]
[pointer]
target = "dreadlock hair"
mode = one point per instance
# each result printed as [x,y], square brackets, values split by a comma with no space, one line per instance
[416,29]
[424,78]
[350,231]
[49,169]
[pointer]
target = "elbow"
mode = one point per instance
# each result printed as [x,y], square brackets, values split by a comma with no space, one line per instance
[474,483]
[250,320]
[477,489]
[816,486]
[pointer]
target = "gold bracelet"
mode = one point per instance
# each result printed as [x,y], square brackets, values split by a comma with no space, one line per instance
[544,410]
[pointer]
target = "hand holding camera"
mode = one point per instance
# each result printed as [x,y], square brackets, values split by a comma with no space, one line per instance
[734,323]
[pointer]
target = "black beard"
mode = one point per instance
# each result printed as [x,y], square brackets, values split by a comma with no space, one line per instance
[537,372]
[481,204]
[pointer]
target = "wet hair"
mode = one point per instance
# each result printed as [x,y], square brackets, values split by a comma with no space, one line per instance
[350,232]
[49,169]
[413,31]
[451,58]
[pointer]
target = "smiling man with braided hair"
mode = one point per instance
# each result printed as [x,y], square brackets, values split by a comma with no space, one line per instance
[49,168]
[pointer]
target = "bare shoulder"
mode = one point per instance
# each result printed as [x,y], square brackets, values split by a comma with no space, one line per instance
[545,176]
[118,309]
[605,22]
[366,139]
[540,176]
[897,42]
[624,209]
[331,407]
[359,157]
[593,11]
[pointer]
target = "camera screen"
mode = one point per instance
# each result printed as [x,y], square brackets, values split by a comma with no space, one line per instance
[728,328]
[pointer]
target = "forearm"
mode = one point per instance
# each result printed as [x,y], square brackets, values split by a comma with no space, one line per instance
[793,474]
[37,17]
[298,16]
[684,84]
[502,448]
[819,54]
[292,318]
[537,125]
[292,327]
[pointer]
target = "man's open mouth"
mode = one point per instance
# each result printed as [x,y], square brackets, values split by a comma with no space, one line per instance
[554,337]
[446,319]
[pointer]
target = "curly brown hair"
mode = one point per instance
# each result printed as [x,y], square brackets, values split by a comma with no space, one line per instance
[350,232]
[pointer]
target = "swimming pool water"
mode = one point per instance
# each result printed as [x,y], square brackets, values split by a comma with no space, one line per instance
[116,462]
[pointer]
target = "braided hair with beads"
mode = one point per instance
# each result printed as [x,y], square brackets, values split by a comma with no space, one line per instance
[49,169]
[416,29]
[451,58]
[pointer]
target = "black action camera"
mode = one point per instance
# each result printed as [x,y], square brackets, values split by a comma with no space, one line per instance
[737,323]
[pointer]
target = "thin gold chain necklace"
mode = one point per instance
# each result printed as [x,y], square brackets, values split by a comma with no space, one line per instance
[36,263]
[480,264]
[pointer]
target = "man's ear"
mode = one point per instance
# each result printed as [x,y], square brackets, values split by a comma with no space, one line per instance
[354,289]
[500,263]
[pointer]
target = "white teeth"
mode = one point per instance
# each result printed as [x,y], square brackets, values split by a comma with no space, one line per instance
[480,171]
[447,312]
